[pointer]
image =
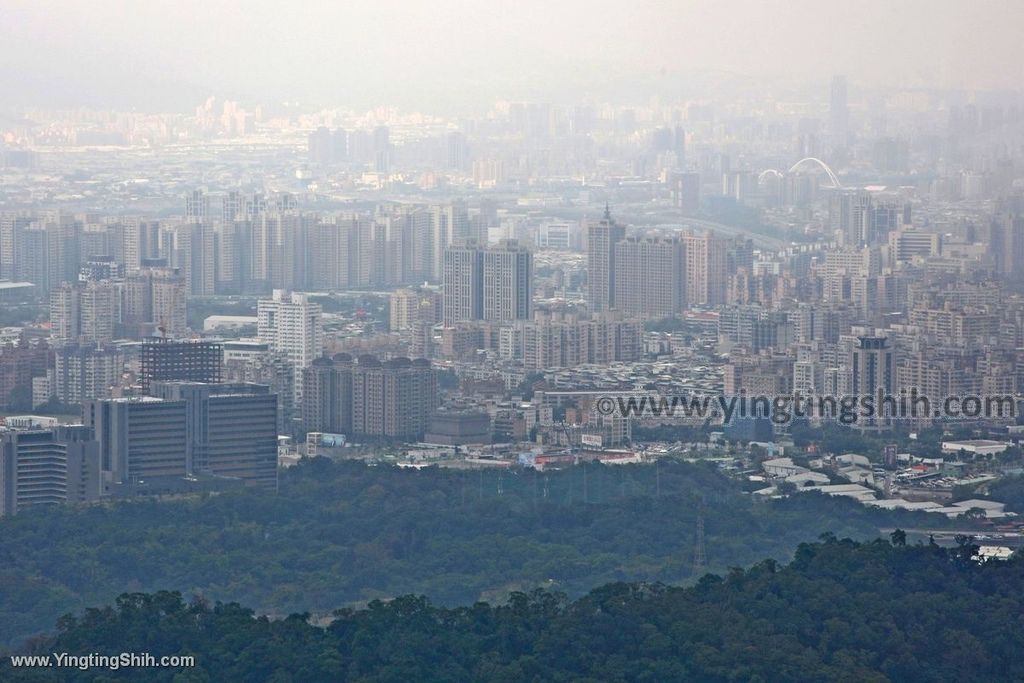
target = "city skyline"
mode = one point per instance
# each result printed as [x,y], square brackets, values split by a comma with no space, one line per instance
[511,341]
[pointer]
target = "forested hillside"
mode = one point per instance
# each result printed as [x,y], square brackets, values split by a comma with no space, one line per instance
[841,611]
[342,534]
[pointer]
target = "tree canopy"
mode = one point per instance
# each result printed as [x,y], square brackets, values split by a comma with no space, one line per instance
[840,611]
[343,534]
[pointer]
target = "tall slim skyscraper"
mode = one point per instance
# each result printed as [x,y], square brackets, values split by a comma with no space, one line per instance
[602,238]
[838,111]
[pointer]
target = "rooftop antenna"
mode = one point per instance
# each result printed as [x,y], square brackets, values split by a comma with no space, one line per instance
[607,211]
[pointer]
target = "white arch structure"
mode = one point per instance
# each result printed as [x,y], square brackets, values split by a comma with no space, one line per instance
[821,164]
[771,172]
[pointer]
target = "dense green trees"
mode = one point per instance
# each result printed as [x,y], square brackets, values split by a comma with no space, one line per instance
[342,534]
[841,611]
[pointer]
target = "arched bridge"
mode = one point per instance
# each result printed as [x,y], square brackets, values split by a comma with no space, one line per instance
[812,161]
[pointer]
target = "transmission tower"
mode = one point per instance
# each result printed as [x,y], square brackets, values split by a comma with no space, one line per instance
[700,555]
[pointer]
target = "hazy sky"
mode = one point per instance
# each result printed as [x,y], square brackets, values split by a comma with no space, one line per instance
[151,53]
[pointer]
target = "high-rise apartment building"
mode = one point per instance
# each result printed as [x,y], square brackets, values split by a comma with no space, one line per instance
[684,189]
[327,395]
[409,306]
[83,372]
[1006,245]
[191,248]
[706,269]
[872,364]
[139,241]
[11,226]
[449,224]
[483,283]
[83,312]
[394,399]
[154,301]
[32,263]
[341,252]
[650,276]
[63,246]
[197,206]
[19,363]
[458,151]
[367,398]
[863,218]
[291,324]
[275,241]
[548,343]
[463,283]
[319,145]
[508,282]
